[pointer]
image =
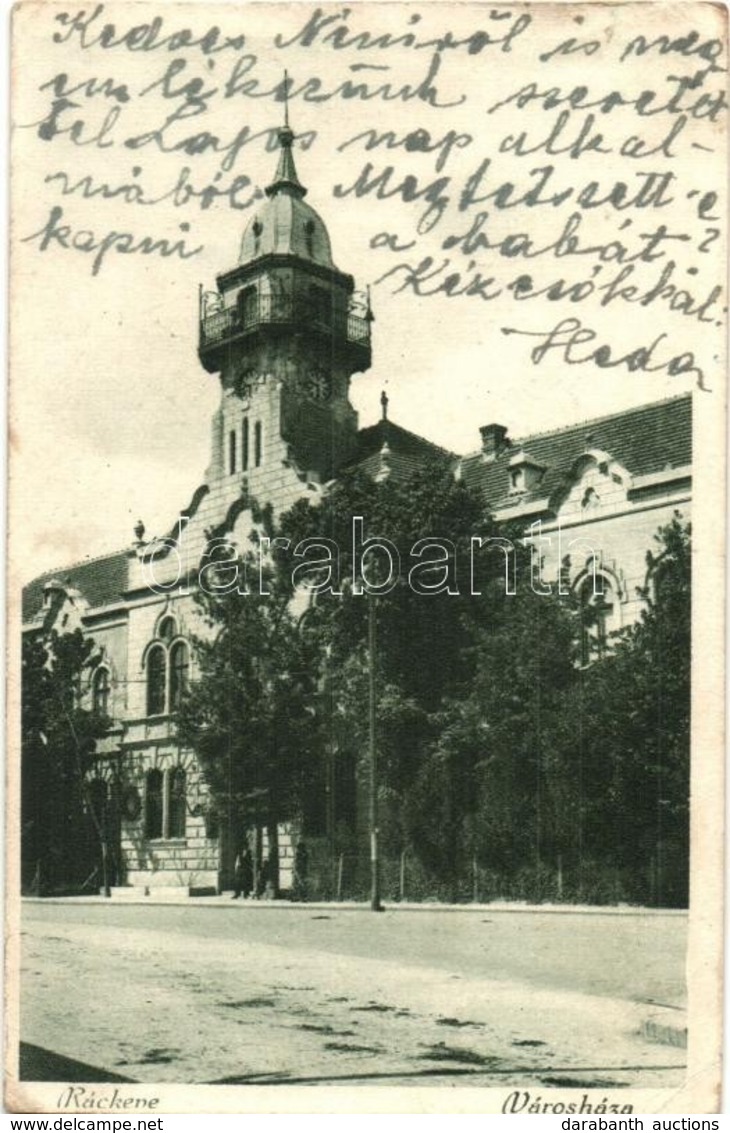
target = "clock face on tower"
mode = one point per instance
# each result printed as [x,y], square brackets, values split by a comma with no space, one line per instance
[317,384]
[247,381]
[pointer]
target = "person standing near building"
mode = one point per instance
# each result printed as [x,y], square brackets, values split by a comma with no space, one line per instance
[243,874]
[301,865]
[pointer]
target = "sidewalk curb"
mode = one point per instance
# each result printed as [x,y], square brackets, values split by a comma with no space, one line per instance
[224,901]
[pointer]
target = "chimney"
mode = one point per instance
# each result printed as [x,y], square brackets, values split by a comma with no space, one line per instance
[494,440]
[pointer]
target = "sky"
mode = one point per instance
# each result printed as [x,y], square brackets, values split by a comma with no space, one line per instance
[110,409]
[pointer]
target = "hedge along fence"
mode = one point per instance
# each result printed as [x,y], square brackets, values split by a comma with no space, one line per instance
[345,874]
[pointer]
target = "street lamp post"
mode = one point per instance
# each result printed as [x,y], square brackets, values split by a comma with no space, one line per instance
[375,904]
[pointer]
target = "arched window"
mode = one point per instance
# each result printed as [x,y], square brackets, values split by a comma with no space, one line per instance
[153,804]
[257,445]
[176,803]
[156,680]
[100,692]
[244,445]
[168,669]
[179,673]
[597,605]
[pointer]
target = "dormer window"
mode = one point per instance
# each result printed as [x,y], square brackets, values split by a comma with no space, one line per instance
[53,593]
[517,480]
[524,473]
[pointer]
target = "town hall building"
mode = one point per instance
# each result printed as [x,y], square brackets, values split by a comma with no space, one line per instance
[285,331]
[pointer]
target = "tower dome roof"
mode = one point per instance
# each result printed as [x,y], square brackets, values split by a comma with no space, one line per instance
[285,224]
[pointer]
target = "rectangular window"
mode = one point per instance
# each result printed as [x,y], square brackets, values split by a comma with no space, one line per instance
[153,805]
[232,451]
[165,795]
[176,803]
[244,445]
[257,444]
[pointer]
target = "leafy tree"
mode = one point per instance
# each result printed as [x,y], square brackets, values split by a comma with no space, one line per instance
[58,741]
[249,715]
[633,728]
[460,672]
[420,636]
[487,777]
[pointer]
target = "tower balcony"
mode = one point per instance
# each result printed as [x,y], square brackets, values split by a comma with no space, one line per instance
[221,328]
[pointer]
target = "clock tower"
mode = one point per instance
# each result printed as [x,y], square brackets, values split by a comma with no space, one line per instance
[286,331]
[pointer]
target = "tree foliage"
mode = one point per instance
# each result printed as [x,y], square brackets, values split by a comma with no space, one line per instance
[633,736]
[249,716]
[498,750]
[463,674]
[58,743]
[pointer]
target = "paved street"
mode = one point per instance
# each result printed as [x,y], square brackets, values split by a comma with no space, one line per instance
[243,993]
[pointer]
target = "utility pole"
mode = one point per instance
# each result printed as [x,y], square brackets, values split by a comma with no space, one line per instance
[375,905]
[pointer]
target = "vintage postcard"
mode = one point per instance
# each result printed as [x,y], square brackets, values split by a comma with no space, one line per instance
[367,534]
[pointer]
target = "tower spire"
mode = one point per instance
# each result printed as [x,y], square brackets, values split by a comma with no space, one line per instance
[285,178]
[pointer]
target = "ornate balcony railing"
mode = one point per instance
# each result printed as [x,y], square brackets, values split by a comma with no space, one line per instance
[268,310]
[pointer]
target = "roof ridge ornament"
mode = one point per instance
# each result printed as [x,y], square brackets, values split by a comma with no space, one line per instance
[285,178]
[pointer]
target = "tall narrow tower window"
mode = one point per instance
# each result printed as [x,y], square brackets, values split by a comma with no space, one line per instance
[309,237]
[244,445]
[257,444]
[232,451]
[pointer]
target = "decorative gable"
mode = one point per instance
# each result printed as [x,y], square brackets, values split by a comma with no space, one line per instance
[596,485]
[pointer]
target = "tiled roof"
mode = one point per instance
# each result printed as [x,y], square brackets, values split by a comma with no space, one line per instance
[100,581]
[407,451]
[644,440]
